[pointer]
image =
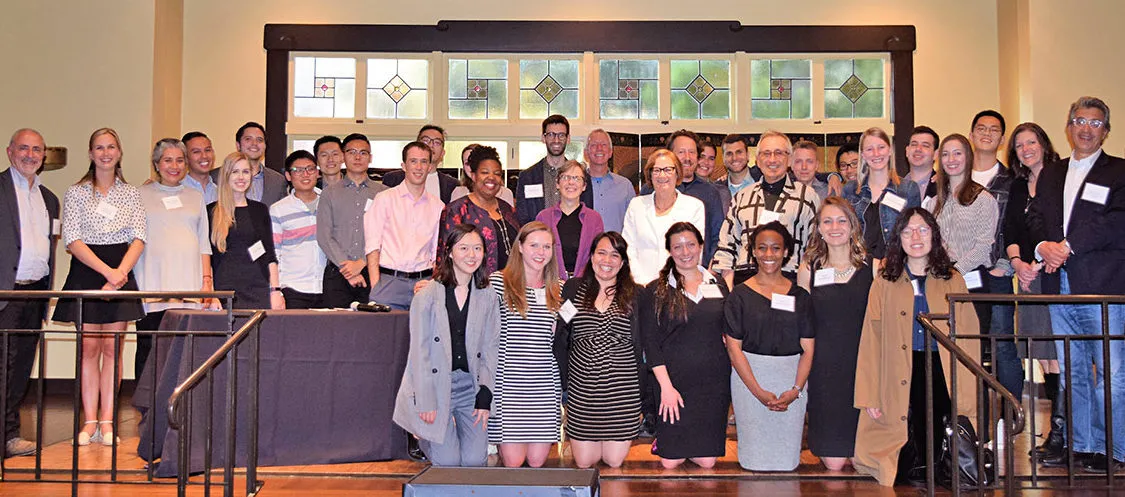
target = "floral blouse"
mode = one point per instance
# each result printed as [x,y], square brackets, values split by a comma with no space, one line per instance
[464,211]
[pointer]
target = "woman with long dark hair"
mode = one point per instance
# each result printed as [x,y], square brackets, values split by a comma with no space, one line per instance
[454,329]
[598,355]
[890,386]
[681,323]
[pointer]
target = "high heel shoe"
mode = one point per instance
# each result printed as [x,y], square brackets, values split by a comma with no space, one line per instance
[107,436]
[84,438]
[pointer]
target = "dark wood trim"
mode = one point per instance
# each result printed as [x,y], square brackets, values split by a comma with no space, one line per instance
[582,36]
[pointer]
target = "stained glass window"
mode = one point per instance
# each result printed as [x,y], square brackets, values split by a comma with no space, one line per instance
[548,87]
[700,89]
[853,88]
[323,87]
[629,89]
[478,89]
[397,88]
[781,89]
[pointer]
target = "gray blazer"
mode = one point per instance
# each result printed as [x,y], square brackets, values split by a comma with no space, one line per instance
[426,383]
[10,231]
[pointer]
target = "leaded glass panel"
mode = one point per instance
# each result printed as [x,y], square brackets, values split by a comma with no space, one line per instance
[324,87]
[397,88]
[700,89]
[629,89]
[478,88]
[781,89]
[548,87]
[853,88]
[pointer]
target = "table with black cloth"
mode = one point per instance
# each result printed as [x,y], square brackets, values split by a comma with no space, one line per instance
[326,389]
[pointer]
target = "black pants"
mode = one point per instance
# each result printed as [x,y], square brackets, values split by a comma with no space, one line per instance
[339,293]
[151,322]
[913,454]
[20,315]
[298,300]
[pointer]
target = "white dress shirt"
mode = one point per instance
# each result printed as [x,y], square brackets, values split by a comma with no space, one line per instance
[35,229]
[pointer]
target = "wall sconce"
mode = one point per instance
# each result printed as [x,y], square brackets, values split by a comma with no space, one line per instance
[55,158]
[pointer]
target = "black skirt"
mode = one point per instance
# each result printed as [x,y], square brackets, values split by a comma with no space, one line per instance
[98,311]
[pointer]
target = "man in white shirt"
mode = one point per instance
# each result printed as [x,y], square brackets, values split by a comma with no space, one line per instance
[300,260]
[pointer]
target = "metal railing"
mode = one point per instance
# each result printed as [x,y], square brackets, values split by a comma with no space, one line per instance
[80,297]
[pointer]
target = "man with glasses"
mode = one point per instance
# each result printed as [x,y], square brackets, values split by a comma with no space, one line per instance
[266,185]
[538,186]
[300,261]
[775,198]
[1076,222]
[847,161]
[339,226]
[920,153]
[329,152]
[438,184]
[611,191]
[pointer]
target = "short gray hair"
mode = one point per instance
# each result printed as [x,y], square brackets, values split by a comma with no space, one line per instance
[774,133]
[12,140]
[1088,103]
[163,145]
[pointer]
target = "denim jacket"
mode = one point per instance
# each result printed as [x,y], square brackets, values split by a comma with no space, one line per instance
[906,189]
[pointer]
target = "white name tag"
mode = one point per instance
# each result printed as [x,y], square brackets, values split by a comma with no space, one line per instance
[917,288]
[894,201]
[767,217]
[972,280]
[171,203]
[533,191]
[106,210]
[787,303]
[567,311]
[710,291]
[1097,194]
[826,276]
[56,227]
[367,205]
[256,250]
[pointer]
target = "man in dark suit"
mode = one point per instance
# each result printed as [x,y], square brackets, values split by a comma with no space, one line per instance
[266,185]
[29,226]
[438,184]
[537,188]
[1076,221]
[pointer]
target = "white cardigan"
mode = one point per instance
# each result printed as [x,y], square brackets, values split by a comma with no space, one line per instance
[644,231]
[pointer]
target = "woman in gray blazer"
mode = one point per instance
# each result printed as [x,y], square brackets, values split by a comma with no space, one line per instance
[446,392]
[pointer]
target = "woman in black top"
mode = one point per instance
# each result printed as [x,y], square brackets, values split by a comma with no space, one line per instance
[770,343]
[242,257]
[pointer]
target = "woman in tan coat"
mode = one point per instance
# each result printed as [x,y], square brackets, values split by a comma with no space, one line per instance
[915,277]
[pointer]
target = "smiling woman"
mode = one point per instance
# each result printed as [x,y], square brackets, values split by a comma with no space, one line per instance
[574,224]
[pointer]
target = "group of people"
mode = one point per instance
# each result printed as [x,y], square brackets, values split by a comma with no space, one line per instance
[799,287]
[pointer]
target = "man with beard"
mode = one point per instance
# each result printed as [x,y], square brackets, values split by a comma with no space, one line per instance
[537,187]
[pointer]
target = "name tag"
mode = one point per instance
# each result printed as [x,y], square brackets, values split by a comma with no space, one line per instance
[787,303]
[710,291]
[172,203]
[106,210]
[917,288]
[367,205]
[767,217]
[826,276]
[56,227]
[972,280]
[567,311]
[533,191]
[256,250]
[894,201]
[1097,194]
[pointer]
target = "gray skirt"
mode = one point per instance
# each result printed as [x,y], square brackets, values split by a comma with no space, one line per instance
[768,440]
[1035,320]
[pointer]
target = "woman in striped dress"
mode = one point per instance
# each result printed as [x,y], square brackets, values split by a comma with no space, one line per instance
[526,407]
[598,356]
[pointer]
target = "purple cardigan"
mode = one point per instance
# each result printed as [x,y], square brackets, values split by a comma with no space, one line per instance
[592,226]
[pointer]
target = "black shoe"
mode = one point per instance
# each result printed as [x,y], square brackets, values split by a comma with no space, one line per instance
[1054,443]
[1098,463]
[414,451]
[1058,460]
[648,427]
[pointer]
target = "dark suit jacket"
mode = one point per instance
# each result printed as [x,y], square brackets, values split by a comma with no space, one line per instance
[274,185]
[446,183]
[10,231]
[528,208]
[1096,237]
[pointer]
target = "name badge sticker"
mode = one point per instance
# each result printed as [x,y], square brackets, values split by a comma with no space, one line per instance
[56,227]
[787,303]
[567,311]
[172,203]
[256,250]
[1097,194]
[710,291]
[367,205]
[917,288]
[533,191]
[106,210]
[826,276]
[767,217]
[894,201]
[972,280]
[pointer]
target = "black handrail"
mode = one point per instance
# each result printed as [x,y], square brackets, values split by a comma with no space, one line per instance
[200,373]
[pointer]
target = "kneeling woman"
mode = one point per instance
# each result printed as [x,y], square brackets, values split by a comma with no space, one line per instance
[890,372]
[446,392]
[769,327]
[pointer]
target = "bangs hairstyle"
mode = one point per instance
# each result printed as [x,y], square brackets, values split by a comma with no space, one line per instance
[1049,153]
[937,261]
[864,170]
[445,273]
[786,239]
[223,217]
[89,176]
[651,163]
[515,281]
[623,288]
[968,190]
[162,146]
[816,253]
[671,302]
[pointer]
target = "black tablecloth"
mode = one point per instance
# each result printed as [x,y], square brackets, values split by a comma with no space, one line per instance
[326,392]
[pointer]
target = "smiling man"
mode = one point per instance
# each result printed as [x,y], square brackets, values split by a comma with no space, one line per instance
[920,153]
[300,261]
[438,184]
[537,188]
[266,185]
[611,191]
[200,159]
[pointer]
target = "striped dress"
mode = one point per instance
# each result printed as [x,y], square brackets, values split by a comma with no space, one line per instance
[604,398]
[527,394]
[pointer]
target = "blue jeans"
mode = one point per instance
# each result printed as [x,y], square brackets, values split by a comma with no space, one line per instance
[1087,388]
[465,444]
[1006,360]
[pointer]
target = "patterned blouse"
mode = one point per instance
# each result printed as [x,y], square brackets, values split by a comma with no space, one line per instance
[465,211]
[96,219]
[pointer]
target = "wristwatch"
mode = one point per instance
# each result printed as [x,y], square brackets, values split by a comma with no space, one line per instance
[800,393]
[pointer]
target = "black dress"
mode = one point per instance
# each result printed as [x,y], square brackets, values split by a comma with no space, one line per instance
[693,352]
[839,311]
[235,269]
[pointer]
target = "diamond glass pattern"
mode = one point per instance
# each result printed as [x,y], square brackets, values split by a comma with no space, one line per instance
[478,88]
[549,87]
[781,89]
[700,89]
[628,89]
[853,88]
[398,88]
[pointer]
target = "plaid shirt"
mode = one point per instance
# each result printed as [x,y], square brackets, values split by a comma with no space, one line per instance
[796,207]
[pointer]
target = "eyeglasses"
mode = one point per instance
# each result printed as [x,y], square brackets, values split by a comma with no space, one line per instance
[663,170]
[355,151]
[849,165]
[1093,123]
[307,171]
[922,231]
[555,136]
[987,130]
[780,154]
[569,178]
[433,142]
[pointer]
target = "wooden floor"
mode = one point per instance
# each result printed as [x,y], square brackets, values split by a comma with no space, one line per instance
[641,475]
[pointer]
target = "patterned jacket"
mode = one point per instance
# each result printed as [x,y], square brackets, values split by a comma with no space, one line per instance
[795,208]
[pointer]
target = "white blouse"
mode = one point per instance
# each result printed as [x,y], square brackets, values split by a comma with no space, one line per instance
[96,219]
[644,231]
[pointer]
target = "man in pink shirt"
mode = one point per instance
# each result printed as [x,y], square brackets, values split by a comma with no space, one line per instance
[400,232]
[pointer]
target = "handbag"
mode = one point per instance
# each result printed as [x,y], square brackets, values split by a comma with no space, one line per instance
[968,446]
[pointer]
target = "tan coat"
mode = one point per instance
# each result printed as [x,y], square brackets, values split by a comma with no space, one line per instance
[883,369]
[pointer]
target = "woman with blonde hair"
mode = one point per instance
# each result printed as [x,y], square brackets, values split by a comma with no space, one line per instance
[878,184]
[242,238]
[526,404]
[648,217]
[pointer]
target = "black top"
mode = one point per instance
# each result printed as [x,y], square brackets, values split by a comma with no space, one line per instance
[570,230]
[457,318]
[766,331]
[1015,220]
[505,237]
[233,269]
[873,232]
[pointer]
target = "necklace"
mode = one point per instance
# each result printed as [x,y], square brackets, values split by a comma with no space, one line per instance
[502,230]
[845,273]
